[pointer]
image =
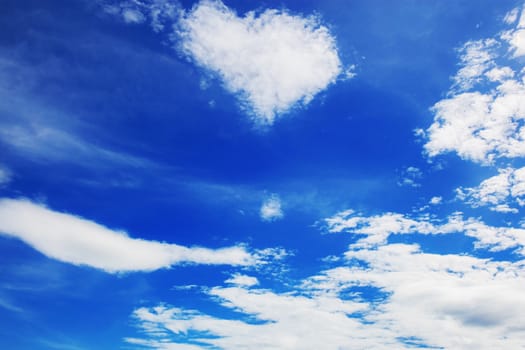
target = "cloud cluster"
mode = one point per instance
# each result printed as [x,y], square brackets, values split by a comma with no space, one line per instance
[483,117]
[477,303]
[503,193]
[78,241]
[410,177]
[376,229]
[273,60]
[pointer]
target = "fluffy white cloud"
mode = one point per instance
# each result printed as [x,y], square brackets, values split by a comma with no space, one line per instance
[282,322]
[243,280]
[410,177]
[503,192]
[78,241]
[271,209]
[477,303]
[272,60]
[483,117]
[516,36]
[436,200]
[376,229]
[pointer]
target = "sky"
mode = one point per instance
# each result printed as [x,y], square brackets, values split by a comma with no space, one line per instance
[190,175]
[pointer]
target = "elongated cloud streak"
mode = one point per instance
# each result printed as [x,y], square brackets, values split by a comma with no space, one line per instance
[79,241]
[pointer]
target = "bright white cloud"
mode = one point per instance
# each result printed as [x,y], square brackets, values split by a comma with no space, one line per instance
[376,229]
[482,119]
[477,303]
[271,209]
[516,36]
[78,241]
[272,60]
[284,321]
[512,16]
[476,57]
[243,280]
[504,192]
[436,200]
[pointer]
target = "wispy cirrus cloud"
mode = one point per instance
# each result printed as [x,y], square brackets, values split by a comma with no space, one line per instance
[78,241]
[49,143]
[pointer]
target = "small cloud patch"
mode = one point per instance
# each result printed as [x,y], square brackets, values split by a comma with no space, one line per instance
[271,209]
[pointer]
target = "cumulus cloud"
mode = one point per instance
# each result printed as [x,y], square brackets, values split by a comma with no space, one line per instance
[243,280]
[516,36]
[504,192]
[78,241]
[271,209]
[482,118]
[376,229]
[272,60]
[477,302]
[410,177]
[436,200]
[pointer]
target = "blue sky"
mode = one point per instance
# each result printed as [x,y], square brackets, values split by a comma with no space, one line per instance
[262,175]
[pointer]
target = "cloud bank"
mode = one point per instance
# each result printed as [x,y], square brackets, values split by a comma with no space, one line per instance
[477,303]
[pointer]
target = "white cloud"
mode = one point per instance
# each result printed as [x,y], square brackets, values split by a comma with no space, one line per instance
[410,177]
[271,209]
[161,13]
[516,36]
[512,16]
[476,57]
[477,303]
[482,118]
[132,16]
[243,280]
[79,241]
[284,322]
[272,60]
[503,192]
[376,229]
[436,200]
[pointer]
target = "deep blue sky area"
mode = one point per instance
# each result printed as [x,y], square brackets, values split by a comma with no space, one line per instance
[135,146]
